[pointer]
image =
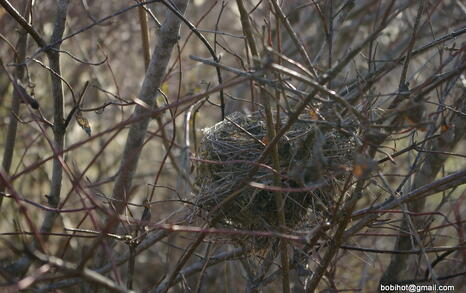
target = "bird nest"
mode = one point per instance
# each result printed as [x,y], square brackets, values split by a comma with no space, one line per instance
[311,153]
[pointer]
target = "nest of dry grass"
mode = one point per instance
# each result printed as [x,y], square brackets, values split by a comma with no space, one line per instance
[311,152]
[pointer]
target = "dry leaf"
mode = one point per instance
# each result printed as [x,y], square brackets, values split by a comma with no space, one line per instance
[358,170]
[83,122]
[363,166]
[313,114]
[265,140]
